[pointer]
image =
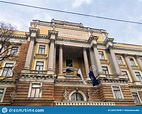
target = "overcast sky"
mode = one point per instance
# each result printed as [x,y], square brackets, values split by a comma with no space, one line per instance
[122,9]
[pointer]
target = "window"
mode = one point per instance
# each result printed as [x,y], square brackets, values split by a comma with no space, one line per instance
[138,75]
[101,55]
[76,97]
[116,92]
[41,49]
[105,69]
[132,62]
[14,51]
[69,63]
[119,59]
[7,71]
[136,97]
[125,74]
[35,90]
[141,60]
[1,94]
[39,65]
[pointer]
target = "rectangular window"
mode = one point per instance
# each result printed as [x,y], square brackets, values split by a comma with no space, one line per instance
[14,51]
[125,74]
[101,55]
[119,59]
[35,90]
[138,75]
[7,70]
[117,92]
[41,49]
[136,97]
[39,65]
[132,62]
[69,63]
[1,94]
[105,69]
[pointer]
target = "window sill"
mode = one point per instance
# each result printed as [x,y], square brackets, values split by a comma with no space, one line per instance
[37,54]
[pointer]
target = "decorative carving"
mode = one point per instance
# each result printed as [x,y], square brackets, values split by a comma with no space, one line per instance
[65,95]
[89,95]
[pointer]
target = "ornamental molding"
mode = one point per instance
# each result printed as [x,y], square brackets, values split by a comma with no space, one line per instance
[135,86]
[86,103]
[37,76]
[71,40]
[10,82]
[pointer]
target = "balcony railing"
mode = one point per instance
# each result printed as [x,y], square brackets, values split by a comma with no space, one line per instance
[83,103]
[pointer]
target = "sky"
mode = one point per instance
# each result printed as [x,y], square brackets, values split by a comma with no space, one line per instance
[121,9]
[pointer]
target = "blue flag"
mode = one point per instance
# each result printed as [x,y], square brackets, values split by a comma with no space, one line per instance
[93,79]
[69,70]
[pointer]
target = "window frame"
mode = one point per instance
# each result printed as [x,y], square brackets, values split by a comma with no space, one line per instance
[132,63]
[4,90]
[40,51]
[137,76]
[114,95]
[137,95]
[106,70]
[125,74]
[8,70]
[120,61]
[40,62]
[12,54]
[101,55]
[30,90]
[83,95]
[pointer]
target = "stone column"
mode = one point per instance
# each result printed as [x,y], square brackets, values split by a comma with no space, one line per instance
[60,59]
[51,56]
[93,65]
[139,62]
[30,54]
[130,68]
[55,58]
[97,59]
[86,61]
[115,64]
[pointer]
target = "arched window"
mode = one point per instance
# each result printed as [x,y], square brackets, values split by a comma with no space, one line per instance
[77,97]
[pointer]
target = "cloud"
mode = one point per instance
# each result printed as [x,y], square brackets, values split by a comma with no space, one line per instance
[78,3]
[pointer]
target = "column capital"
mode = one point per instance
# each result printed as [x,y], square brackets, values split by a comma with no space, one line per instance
[93,39]
[109,42]
[34,32]
[52,34]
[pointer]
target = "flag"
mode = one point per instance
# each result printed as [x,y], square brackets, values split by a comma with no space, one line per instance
[69,70]
[79,74]
[93,79]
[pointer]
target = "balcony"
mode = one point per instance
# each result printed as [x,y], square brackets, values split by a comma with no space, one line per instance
[83,103]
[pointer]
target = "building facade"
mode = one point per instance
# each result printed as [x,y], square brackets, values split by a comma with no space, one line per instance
[36,75]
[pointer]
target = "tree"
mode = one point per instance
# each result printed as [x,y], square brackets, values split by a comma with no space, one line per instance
[6,32]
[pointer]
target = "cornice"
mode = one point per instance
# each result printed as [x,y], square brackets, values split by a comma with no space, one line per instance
[129,49]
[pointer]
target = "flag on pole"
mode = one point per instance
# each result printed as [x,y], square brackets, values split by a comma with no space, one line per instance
[93,78]
[79,74]
[69,70]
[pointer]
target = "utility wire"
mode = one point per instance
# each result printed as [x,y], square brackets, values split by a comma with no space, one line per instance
[73,13]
